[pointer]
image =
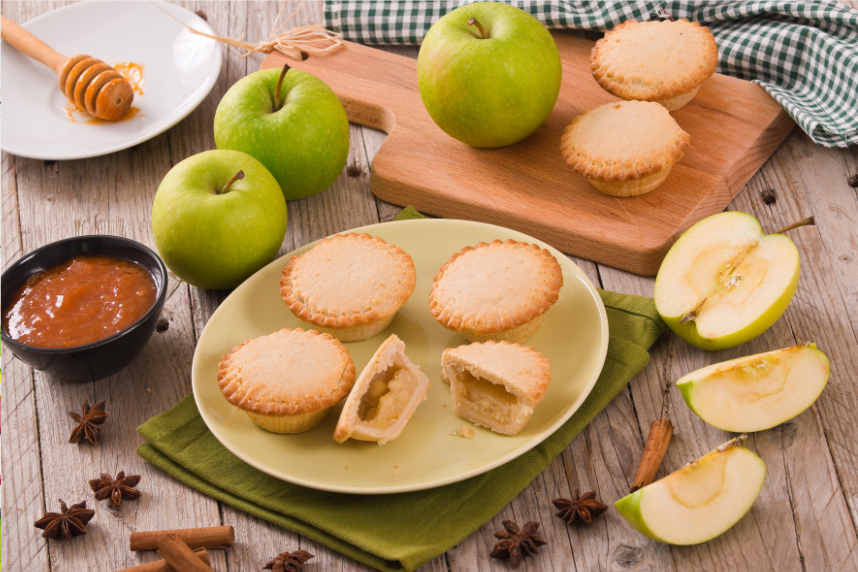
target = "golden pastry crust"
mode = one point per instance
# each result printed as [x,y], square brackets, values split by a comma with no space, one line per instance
[521,369]
[390,355]
[348,280]
[494,287]
[289,372]
[623,141]
[652,61]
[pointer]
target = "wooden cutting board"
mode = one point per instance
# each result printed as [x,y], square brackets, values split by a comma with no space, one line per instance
[734,125]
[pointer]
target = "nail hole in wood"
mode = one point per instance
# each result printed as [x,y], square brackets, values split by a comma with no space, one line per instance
[768,196]
[162,326]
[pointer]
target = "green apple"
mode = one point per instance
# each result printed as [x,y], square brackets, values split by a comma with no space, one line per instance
[724,282]
[757,392]
[218,217]
[293,124]
[492,83]
[699,501]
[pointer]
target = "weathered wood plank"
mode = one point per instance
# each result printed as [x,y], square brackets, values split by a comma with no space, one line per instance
[819,313]
[10,224]
[107,195]
[23,497]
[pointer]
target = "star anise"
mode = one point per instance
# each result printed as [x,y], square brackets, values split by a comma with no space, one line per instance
[67,523]
[88,422]
[116,490]
[582,508]
[517,543]
[289,561]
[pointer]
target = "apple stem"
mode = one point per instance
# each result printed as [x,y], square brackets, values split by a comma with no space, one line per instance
[280,83]
[237,177]
[474,22]
[805,222]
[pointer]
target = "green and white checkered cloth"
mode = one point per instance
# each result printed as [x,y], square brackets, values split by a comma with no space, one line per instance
[805,54]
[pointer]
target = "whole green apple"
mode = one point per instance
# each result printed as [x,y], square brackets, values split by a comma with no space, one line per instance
[218,217]
[302,136]
[493,82]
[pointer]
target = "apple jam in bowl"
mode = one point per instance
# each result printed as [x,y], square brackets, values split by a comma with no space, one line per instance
[82,308]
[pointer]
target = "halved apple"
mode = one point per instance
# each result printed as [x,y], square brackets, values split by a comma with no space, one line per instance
[757,392]
[724,282]
[701,500]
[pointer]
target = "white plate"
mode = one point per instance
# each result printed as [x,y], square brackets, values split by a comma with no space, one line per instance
[180,70]
[574,338]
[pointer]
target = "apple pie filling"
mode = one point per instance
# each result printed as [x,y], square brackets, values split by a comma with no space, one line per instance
[485,399]
[389,393]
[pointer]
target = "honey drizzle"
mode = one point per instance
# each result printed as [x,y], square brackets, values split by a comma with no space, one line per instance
[77,115]
[134,74]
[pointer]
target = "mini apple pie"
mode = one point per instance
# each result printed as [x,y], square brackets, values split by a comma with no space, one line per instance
[496,384]
[286,381]
[624,148]
[384,398]
[665,62]
[496,291]
[349,285]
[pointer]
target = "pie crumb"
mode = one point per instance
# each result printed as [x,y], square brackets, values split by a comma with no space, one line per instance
[465,432]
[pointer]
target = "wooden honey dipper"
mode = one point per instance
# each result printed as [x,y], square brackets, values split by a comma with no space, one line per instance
[88,82]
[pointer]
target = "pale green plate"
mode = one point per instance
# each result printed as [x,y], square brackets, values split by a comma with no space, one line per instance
[574,338]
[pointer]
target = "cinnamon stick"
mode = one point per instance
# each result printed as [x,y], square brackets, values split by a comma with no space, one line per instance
[164,566]
[180,556]
[660,432]
[206,537]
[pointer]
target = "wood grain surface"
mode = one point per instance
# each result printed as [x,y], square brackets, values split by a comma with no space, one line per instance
[734,126]
[804,520]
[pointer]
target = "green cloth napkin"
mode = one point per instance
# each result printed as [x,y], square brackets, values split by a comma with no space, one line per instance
[401,531]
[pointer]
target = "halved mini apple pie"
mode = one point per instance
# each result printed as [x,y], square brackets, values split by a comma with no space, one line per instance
[384,397]
[496,384]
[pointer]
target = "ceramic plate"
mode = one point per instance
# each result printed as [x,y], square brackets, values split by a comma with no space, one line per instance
[179,70]
[574,337]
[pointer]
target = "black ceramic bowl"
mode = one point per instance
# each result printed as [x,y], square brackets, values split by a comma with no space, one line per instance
[105,357]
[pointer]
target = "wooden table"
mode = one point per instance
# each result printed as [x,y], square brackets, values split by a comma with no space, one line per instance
[805,518]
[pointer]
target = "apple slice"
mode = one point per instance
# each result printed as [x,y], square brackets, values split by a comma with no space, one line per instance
[699,501]
[757,392]
[724,282]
